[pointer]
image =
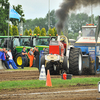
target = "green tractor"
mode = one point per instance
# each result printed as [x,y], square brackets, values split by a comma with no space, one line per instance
[16,44]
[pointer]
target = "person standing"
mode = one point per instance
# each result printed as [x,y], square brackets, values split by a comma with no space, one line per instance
[24,53]
[1,53]
[31,57]
[11,61]
[36,54]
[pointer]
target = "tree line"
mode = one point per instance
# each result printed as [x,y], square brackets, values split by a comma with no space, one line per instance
[42,32]
[72,25]
[39,26]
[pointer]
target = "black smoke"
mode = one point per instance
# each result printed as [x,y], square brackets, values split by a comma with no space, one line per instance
[71,5]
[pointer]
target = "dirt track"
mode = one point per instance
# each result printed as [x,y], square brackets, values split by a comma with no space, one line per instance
[24,94]
[47,94]
[28,75]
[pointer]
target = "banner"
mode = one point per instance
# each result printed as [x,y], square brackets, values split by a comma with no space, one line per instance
[13,14]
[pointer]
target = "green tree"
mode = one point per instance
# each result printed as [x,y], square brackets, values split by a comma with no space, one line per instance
[4,11]
[76,21]
[41,22]
[73,36]
[43,32]
[62,33]
[14,30]
[55,31]
[5,33]
[30,32]
[26,33]
[37,30]
[53,19]
[51,32]
[96,19]
[10,30]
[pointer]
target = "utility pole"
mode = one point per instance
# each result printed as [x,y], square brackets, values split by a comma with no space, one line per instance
[21,27]
[91,13]
[48,14]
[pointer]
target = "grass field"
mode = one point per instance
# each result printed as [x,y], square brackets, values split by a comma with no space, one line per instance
[27,84]
[25,69]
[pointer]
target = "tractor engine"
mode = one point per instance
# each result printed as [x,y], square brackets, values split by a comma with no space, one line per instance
[56,51]
[56,47]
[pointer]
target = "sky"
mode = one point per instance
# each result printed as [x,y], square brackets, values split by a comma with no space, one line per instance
[39,8]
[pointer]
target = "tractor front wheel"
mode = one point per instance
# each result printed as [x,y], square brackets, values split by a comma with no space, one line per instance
[50,67]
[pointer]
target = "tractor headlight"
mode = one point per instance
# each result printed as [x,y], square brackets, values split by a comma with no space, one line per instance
[51,57]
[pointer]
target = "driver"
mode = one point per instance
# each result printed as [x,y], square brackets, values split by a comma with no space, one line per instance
[62,41]
[91,33]
[43,43]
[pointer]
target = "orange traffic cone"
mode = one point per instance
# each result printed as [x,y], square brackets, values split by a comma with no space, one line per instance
[48,82]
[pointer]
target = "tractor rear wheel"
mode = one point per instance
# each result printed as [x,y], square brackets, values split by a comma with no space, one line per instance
[18,60]
[75,61]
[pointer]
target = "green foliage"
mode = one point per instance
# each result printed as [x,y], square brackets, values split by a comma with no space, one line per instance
[14,30]
[10,30]
[26,33]
[51,31]
[53,18]
[5,33]
[4,9]
[37,30]
[96,19]
[30,32]
[73,36]
[55,31]
[41,22]
[43,32]
[62,33]
[76,21]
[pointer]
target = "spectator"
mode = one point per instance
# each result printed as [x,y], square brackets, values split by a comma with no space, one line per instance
[0,57]
[7,58]
[11,61]
[24,53]
[31,57]
[36,54]
[43,49]
[1,53]
[3,57]
[14,51]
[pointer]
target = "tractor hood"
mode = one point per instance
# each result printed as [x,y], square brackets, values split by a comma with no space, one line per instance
[85,41]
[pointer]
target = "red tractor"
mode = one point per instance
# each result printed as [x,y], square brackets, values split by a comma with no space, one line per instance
[55,60]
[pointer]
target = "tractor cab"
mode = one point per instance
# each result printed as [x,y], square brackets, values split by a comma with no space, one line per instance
[88,35]
[43,41]
[89,30]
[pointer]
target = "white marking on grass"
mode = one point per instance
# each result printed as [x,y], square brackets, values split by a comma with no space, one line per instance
[42,93]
